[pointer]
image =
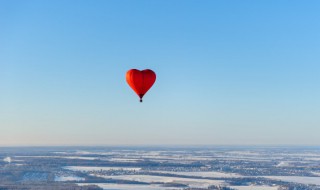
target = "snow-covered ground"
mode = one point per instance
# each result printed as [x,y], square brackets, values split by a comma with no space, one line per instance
[313,158]
[204,183]
[68,178]
[124,159]
[283,164]
[129,186]
[65,157]
[89,168]
[251,187]
[7,159]
[203,174]
[297,179]
[316,173]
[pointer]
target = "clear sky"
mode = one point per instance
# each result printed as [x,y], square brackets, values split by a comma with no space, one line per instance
[228,72]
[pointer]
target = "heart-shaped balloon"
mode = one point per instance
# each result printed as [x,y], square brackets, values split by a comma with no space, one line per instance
[140,81]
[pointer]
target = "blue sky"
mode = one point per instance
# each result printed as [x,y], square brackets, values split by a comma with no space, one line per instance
[228,72]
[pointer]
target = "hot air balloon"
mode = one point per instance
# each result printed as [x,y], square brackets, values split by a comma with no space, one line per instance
[140,81]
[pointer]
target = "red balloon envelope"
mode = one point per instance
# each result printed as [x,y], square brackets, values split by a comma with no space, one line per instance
[140,81]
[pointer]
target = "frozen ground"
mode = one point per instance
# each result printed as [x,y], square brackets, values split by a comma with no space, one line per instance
[252,187]
[89,168]
[297,179]
[202,174]
[130,186]
[239,168]
[68,178]
[166,179]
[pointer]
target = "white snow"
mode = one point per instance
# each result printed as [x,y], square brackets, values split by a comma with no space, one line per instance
[90,168]
[316,173]
[283,164]
[124,160]
[252,187]
[204,183]
[129,186]
[65,157]
[297,179]
[7,159]
[313,158]
[203,174]
[68,178]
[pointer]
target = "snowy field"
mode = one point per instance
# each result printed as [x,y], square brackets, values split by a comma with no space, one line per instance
[252,187]
[68,178]
[297,179]
[204,183]
[62,157]
[89,168]
[241,169]
[202,174]
[110,186]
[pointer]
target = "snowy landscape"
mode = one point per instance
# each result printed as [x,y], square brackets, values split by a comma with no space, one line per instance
[161,168]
